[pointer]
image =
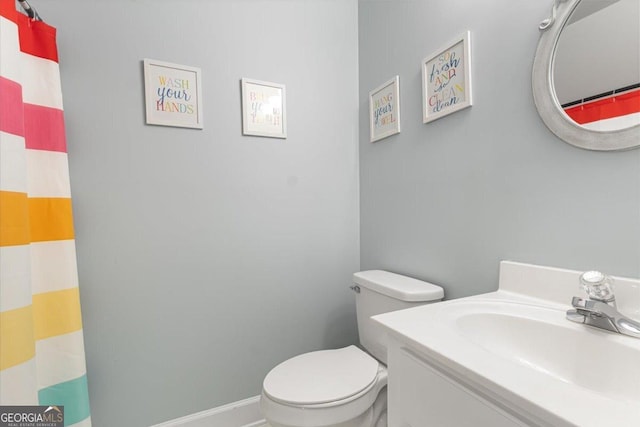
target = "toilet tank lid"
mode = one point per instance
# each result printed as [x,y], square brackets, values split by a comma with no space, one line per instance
[397,286]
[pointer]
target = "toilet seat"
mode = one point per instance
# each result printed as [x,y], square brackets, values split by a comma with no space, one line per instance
[328,400]
[321,377]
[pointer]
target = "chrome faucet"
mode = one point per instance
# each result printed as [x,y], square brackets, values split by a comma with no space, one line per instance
[599,310]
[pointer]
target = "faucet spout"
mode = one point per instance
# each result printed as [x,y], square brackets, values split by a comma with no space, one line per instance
[602,315]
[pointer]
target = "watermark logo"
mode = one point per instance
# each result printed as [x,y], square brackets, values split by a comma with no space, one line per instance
[32,416]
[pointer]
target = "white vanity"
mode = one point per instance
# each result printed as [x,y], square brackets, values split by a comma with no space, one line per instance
[511,358]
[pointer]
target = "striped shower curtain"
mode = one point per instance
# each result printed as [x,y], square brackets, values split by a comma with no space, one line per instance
[42,358]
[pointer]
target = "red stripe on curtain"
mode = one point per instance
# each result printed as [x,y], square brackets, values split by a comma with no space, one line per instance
[36,37]
[44,128]
[11,114]
[615,106]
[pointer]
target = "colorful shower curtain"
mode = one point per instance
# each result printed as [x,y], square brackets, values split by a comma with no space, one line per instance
[42,359]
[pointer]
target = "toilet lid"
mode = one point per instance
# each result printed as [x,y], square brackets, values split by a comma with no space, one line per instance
[321,376]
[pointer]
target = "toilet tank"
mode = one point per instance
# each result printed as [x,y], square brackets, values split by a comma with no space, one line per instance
[379,292]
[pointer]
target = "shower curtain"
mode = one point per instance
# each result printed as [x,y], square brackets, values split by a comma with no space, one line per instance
[42,359]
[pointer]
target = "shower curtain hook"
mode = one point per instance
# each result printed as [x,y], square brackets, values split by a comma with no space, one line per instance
[29,10]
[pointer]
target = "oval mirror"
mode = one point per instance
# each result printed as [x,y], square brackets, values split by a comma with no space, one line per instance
[586,73]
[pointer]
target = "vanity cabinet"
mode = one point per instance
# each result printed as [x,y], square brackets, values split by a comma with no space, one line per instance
[421,395]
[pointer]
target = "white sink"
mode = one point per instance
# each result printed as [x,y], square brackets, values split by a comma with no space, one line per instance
[516,347]
[541,339]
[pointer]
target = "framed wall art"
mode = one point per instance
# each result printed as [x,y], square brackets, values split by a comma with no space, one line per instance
[384,110]
[263,109]
[446,79]
[173,94]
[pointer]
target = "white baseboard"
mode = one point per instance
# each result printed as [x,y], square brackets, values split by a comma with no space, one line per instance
[243,413]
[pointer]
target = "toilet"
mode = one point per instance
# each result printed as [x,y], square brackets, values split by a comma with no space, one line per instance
[346,387]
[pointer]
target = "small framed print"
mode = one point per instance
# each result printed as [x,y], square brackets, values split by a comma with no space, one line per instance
[384,110]
[446,79]
[263,109]
[173,94]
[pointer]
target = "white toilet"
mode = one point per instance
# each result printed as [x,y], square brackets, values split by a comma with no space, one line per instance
[346,387]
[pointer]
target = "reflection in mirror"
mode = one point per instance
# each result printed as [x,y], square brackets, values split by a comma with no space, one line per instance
[546,93]
[596,67]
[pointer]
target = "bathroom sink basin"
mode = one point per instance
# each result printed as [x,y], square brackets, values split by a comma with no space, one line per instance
[524,353]
[540,339]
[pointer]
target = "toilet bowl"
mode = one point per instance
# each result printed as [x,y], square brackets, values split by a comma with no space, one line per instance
[345,387]
[346,392]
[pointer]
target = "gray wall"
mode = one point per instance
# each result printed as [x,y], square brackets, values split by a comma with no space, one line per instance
[206,257]
[448,200]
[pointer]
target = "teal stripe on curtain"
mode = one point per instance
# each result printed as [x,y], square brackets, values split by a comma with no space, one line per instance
[73,395]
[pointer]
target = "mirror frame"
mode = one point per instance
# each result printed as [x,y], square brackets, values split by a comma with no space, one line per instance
[547,103]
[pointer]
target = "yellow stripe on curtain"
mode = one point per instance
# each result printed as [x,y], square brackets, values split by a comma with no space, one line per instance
[56,313]
[14,219]
[17,344]
[38,330]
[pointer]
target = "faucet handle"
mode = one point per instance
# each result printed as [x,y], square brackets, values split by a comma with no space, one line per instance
[598,286]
